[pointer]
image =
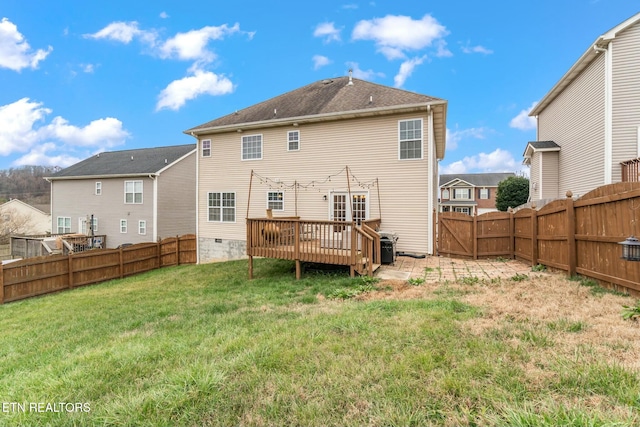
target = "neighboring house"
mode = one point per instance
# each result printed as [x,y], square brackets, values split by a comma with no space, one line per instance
[589,122]
[302,139]
[17,217]
[134,196]
[470,193]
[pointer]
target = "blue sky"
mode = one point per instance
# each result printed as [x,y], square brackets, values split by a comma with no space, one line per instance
[78,77]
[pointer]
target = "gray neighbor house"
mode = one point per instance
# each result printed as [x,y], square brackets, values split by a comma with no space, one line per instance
[133,196]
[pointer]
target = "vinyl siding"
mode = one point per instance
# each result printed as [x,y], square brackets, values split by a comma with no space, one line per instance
[177,199]
[76,199]
[534,176]
[549,168]
[575,121]
[626,97]
[368,146]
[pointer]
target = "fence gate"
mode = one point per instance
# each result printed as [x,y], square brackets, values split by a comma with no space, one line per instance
[485,236]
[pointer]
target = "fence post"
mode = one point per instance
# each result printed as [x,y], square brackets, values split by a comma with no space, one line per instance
[434,225]
[534,235]
[159,253]
[70,257]
[571,234]
[475,234]
[296,247]
[1,284]
[177,250]
[121,263]
[512,234]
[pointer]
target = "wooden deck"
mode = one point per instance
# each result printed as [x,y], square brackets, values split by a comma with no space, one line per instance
[324,242]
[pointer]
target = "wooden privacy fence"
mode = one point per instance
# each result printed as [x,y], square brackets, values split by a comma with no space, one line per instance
[577,236]
[43,275]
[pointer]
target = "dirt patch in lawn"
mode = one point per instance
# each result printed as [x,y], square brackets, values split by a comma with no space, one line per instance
[573,319]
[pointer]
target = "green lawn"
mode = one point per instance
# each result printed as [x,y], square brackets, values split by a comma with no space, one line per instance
[202,345]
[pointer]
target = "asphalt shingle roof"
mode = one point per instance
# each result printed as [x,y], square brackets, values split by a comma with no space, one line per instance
[327,96]
[477,179]
[539,145]
[126,162]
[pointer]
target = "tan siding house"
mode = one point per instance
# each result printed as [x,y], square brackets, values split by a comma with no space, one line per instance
[134,196]
[308,149]
[592,115]
[17,217]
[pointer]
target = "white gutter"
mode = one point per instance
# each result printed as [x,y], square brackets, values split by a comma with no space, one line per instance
[197,200]
[431,176]
[154,178]
[608,114]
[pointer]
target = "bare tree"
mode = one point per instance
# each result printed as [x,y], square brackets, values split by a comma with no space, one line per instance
[13,222]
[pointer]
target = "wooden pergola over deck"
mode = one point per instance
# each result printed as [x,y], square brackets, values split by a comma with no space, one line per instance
[325,242]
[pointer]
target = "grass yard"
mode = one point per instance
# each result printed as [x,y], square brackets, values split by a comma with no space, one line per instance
[202,345]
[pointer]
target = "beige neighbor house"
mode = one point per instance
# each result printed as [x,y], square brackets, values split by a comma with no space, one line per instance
[308,149]
[134,196]
[18,217]
[589,123]
[470,193]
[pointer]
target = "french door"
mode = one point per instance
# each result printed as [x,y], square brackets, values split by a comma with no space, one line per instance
[340,210]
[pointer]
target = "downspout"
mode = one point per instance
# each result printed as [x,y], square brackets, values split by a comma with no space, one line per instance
[430,171]
[197,197]
[51,203]
[155,206]
[608,111]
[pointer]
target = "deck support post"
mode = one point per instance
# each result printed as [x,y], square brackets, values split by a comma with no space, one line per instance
[297,269]
[250,267]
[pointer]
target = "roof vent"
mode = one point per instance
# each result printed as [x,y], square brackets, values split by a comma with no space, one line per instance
[166,161]
[350,77]
[131,157]
[275,111]
[370,99]
[326,81]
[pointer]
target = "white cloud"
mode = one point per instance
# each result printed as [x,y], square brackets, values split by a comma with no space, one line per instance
[192,45]
[15,52]
[42,155]
[443,51]
[454,137]
[320,61]
[476,49]
[396,33]
[497,161]
[363,74]
[124,32]
[21,132]
[164,15]
[178,92]
[328,31]
[406,69]
[17,121]
[522,121]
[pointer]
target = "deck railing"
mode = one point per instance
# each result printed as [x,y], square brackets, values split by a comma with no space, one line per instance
[325,242]
[631,170]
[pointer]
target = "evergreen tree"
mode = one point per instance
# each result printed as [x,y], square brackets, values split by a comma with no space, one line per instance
[512,192]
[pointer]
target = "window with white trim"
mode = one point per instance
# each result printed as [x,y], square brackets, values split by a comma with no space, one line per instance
[484,193]
[293,140]
[124,226]
[142,227]
[252,147]
[206,148]
[464,210]
[133,192]
[410,139]
[98,188]
[275,200]
[64,224]
[462,194]
[222,207]
[83,225]
[445,194]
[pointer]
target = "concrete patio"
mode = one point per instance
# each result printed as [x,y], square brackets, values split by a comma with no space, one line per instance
[440,269]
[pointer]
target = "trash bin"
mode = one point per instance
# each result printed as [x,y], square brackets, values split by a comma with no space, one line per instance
[387,252]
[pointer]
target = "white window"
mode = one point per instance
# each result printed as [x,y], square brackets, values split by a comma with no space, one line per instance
[484,193]
[123,225]
[98,188]
[222,207]
[133,192]
[64,224]
[252,147]
[275,200]
[445,194]
[142,227]
[462,194]
[410,139]
[293,140]
[463,210]
[206,148]
[82,225]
